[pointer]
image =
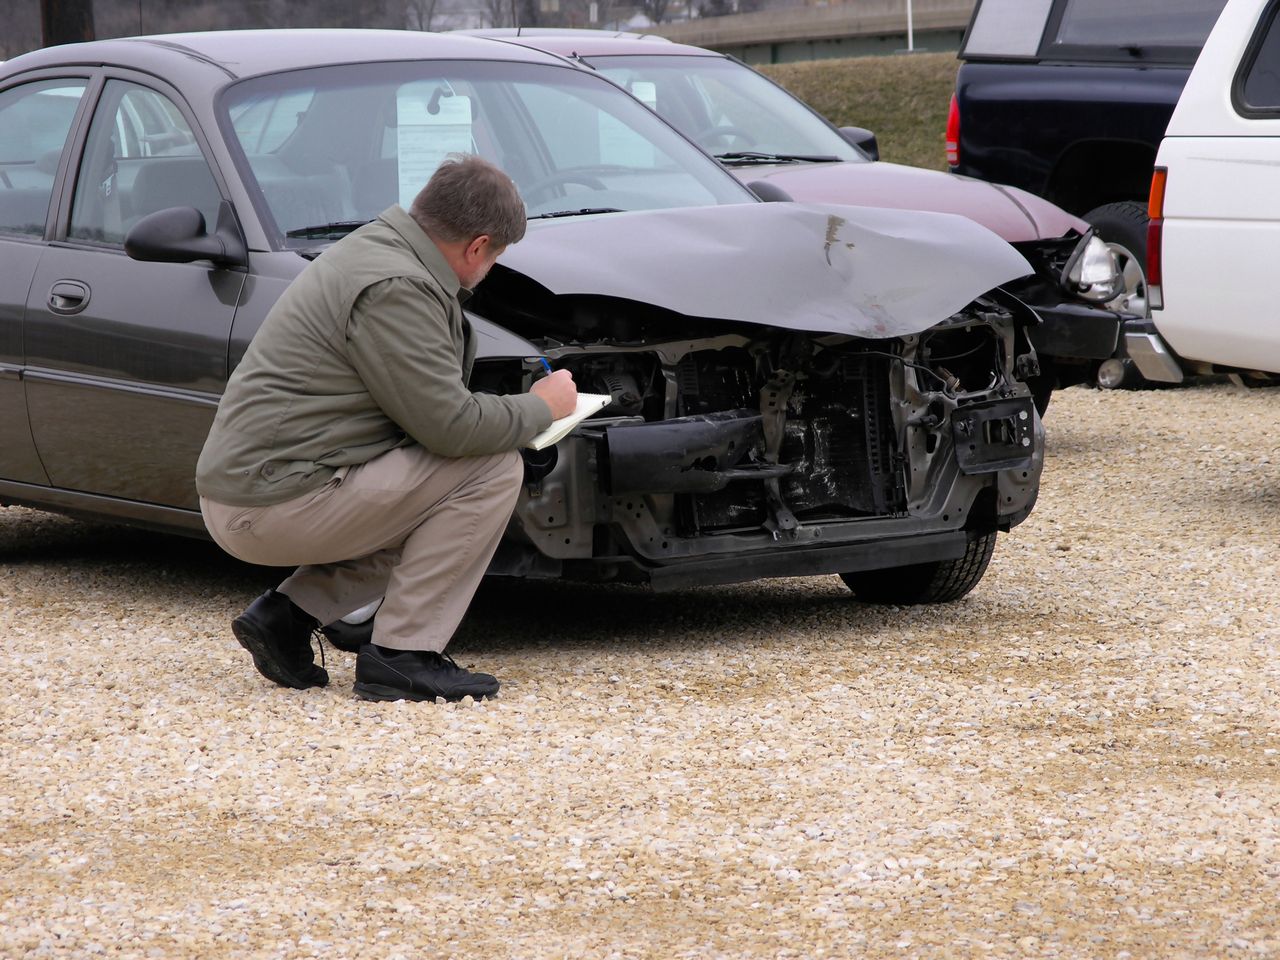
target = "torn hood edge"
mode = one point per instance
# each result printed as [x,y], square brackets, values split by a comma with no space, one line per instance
[822,268]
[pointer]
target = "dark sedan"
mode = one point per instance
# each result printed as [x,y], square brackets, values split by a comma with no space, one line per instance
[796,388]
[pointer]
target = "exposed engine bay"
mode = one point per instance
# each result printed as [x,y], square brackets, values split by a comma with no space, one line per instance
[726,437]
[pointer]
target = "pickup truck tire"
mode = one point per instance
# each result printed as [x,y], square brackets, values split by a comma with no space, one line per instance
[1123,226]
[938,582]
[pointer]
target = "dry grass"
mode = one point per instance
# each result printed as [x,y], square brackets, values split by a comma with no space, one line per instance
[903,99]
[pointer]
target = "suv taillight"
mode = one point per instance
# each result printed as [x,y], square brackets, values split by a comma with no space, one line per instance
[1155,239]
[953,133]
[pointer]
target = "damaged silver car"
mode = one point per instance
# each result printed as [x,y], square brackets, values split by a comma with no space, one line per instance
[795,389]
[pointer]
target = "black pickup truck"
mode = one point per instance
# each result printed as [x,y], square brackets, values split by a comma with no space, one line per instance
[1069,99]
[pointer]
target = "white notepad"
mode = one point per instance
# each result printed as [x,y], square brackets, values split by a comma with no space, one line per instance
[588,403]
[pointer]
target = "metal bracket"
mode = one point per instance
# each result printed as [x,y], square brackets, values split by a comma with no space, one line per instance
[994,436]
[773,409]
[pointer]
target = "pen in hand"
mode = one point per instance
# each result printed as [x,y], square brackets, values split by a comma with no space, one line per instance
[557,389]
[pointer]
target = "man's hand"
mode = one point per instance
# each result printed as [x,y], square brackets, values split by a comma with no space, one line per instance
[558,392]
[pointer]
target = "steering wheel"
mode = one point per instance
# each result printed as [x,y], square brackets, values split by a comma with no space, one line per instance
[559,177]
[708,134]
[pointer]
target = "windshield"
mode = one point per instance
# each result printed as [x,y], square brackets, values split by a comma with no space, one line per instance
[338,145]
[724,106]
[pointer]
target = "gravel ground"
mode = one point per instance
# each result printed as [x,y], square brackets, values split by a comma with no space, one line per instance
[1078,760]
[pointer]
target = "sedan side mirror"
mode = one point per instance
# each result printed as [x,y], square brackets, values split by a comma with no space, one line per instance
[863,139]
[177,235]
[769,192]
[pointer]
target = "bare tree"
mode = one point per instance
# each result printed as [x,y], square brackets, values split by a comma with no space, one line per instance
[497,13]
[21,30]
[511,13]
[66,21]
[714,8]
[26,20]
[577,13]
[419,14]
[529,12]
[655,10]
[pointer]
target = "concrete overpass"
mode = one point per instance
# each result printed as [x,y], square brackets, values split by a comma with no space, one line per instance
[852,28]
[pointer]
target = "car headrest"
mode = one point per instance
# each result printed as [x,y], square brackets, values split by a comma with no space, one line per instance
[164,182]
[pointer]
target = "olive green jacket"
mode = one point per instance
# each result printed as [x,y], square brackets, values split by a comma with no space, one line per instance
[367,350]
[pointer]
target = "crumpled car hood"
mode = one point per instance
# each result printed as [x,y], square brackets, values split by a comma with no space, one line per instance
[821,268]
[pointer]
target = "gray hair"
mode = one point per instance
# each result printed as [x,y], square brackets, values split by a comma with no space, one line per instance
[467,197]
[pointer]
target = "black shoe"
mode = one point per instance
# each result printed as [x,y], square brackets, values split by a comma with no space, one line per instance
[348,636]
[278,634]
[385,674]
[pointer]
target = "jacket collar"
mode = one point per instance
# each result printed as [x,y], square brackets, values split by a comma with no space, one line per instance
[423,247]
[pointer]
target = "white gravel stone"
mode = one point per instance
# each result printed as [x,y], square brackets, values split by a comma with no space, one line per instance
[1078,760]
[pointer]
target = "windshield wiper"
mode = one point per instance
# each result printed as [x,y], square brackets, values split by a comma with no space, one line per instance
[574,213]
[751,156]
[326,231]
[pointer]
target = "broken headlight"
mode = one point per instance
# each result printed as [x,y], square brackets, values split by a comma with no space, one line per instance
[1092,272]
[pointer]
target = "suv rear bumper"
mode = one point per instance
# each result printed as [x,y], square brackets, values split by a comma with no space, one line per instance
[1154,358]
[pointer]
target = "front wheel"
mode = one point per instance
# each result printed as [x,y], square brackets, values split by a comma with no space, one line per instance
[939,582]
[1123,227]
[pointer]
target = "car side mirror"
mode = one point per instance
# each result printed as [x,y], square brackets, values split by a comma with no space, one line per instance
[178,235]
[769,192]
[863,139]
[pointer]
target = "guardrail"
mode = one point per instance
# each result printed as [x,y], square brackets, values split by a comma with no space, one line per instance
[841,21]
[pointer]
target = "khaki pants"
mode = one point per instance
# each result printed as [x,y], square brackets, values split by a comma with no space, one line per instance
[415,527]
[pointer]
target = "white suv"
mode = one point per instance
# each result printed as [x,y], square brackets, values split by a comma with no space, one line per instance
[1214,242]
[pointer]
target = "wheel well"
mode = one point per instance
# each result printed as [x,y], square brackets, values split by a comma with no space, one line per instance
[982,513]
[1075,184]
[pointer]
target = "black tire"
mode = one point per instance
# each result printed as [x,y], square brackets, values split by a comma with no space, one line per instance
[940,582]
[1123,226]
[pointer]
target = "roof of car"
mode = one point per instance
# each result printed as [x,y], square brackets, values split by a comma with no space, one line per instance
[242,53]
[595,43]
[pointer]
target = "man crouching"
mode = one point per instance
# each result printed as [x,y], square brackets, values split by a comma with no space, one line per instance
[348,442]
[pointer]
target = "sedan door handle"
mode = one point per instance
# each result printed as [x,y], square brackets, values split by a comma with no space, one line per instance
[68,296]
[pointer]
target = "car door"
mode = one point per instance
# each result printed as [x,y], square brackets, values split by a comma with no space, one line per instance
[125,360]
[36,118]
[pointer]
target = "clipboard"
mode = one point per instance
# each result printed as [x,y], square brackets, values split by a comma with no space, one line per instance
[588,403]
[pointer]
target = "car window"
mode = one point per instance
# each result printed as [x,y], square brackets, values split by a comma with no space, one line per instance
[1260,89]
[262,124]
[1007,28]
[347,142]
[35,119]
[140,157]
[1138,26]
[575,131]
[725,106]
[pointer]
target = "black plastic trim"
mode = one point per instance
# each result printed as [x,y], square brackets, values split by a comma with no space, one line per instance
[89,506]
[809,561]
[1261,30]
[1076,330]
[176,394]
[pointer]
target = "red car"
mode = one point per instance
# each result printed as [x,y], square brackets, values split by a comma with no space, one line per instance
[768,137]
